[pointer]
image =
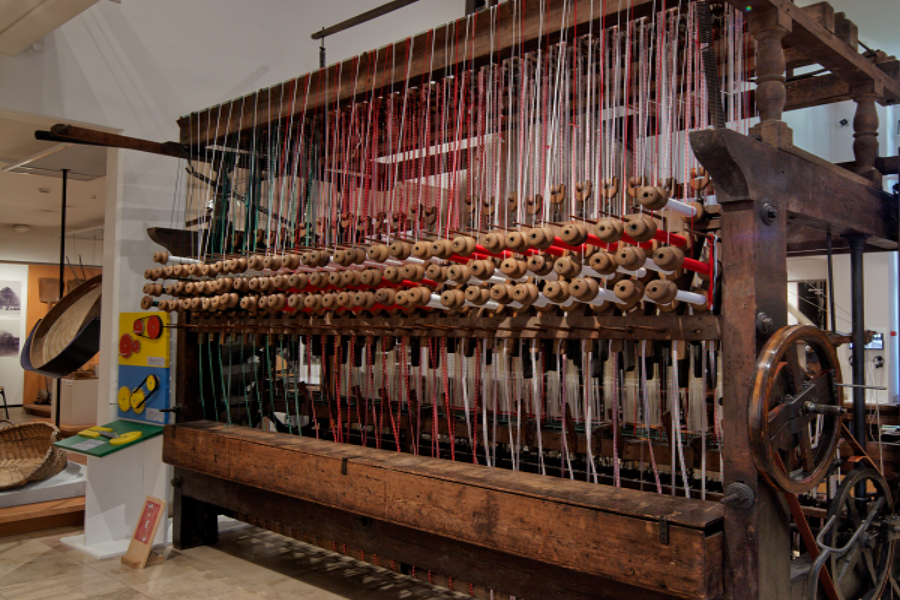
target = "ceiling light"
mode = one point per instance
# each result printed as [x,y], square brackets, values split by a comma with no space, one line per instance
[21,228]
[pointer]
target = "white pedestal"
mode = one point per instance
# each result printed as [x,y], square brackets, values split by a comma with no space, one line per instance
[78,402]
[117,485]
[68,483]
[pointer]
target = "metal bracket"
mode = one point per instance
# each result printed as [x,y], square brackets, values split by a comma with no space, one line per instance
[664,531]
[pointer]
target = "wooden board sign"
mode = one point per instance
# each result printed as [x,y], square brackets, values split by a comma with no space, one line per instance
[139,550]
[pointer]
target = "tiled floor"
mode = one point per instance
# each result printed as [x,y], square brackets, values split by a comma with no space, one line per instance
[249,563]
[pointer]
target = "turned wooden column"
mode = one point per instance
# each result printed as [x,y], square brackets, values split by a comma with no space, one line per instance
[865,132]
[769,28]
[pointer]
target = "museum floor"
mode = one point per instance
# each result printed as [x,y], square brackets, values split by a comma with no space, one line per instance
[249,563]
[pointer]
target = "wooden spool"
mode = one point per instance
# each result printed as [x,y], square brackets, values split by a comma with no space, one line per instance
[631,258]
[516,241]
[412,272]
[630,291]
[147,302]
[318,279]
[514,268]
[463,245]
[557,291]
[313,301]
[494,242]
[364,300]
[526,294]
[567,266]
[372,277]
[161,257]
[668,258]
[442,248]
[295,301]
[453,299]
[385,296]
[422,250]
[477,295]
[436,273]
[400,249]
[298,280]
[540,237]
[345,299]
[662,291]
[334,279]
[652,197]
[392,274]
[584,289]
[459,273]
[502,293]
[272,263]
[574,233]
[378,253]
[540,264]
[610,230]
[482,269]
[640,228]
[256,262]
[603,262]
[350,278]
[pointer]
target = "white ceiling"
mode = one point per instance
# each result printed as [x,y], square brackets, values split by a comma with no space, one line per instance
[22,201]
[24,22]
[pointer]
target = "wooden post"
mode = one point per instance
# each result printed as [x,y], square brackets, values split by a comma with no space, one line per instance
[194,523]
[754,305]
[865,131]
[768,28]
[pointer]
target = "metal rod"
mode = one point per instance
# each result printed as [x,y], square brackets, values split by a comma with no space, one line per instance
[857,244]
[62,272]
[831,282]
[362,18]
[864,387]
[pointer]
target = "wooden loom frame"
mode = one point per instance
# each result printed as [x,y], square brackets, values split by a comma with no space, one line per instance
[543,537]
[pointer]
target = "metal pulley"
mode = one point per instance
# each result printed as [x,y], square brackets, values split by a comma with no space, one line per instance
[795,408]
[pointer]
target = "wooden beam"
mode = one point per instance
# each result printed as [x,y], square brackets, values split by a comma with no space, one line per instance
[381,542]
[467,42]
[816,193]
[598,530]
[828,88]
[827,48]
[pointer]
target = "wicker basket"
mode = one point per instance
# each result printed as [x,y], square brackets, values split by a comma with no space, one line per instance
[27,454]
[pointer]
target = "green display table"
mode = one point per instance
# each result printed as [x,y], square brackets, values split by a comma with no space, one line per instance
[100,447]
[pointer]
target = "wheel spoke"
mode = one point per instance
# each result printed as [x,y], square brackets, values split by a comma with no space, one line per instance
[806,449]
[795,372]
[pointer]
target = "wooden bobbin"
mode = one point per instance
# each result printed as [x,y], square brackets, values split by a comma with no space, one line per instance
[404,298]
[215,304]
[256,262]
[494,242]
[364,300]
[640,228]
[147,302]
[482,269]
[630,291]
[340,258]
[225,284]
[266,284]
[319,279]
[436,273]
[526,294]
[334,279]
[346,299]
[540,237]
[540,264]
[477,295]
[603,262]
[378,252]
[385,296]
[178,288]
[312,302]
[661,291]
[291,261]
[459,273]
[229,300]
[514,268]
[371,277]
[668,258]
[196,304]
[453,299]
[463,245]
[281,282]
[277,301]
[400,249]
[574,233]
[295,301]
[584,289]
[242,284]
[442,248]
[240,265]
[273,263]
[148,287]
[298,281]
[610,230]
[668,308]
[557,291]
[652,197]
[169,289]
[502,293]
[392,274]
[161,257]
[516,241]
[422,250]
[349,278]
[412,272]
[700,217]
[567,266]
[631,258]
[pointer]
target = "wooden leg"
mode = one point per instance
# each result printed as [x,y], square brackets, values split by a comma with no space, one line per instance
[195,522]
